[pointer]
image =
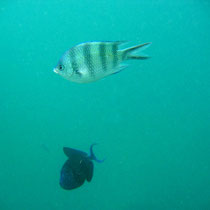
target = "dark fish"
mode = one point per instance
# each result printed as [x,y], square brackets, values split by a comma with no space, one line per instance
[77,169]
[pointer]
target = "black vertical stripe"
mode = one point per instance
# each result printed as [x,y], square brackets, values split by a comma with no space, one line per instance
[102,53]
[115,55]
[74,64]
[87,58]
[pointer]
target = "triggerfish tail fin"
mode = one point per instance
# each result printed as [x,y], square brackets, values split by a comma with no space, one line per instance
[92,155]
[127,53]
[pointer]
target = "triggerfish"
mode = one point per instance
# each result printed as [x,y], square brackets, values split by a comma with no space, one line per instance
[90,61]
[77,169]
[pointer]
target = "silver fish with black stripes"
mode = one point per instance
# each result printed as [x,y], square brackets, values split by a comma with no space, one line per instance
[90,61]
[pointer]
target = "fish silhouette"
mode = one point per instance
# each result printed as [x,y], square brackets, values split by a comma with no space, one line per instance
[78,168]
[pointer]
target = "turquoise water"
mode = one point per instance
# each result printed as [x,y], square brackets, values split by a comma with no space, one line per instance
[151,120]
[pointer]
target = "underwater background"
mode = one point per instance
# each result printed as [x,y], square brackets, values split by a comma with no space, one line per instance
[151,121]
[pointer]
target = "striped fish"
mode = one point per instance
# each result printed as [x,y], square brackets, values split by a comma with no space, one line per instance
[91,61]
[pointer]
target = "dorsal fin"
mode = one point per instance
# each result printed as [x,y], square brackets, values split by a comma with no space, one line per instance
[69,152]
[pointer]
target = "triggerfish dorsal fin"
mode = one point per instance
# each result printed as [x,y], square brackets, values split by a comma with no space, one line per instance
[69,152]
[92,155]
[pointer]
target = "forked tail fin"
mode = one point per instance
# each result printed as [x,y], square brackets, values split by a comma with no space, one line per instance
[92,155]
[127,53]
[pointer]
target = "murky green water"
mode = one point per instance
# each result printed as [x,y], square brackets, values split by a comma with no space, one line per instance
[151,120]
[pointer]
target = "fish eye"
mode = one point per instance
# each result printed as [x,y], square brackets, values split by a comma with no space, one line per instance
[61,67]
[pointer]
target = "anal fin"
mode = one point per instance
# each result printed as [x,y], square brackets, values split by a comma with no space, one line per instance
[119,69]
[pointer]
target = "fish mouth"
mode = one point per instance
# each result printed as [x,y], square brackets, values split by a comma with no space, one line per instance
[55,70]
